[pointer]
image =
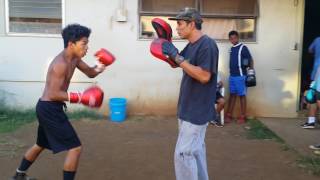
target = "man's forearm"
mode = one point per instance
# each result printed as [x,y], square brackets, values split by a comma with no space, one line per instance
[196,72]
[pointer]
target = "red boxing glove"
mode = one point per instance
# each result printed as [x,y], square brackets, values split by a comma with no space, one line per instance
[91,97]
[105,57]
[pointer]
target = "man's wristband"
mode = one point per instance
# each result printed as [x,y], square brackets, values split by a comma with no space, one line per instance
[179,59]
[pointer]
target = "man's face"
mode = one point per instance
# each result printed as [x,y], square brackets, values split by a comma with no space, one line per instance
[184,29]
[234,39]
[80,47]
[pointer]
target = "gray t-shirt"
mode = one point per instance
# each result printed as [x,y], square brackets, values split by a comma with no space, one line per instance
[196,100]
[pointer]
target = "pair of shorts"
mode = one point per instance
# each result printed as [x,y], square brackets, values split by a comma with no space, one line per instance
[55,132]
[218,96]
[237,85]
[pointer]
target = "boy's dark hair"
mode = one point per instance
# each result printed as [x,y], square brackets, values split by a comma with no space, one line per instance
[231,33]
[73,33]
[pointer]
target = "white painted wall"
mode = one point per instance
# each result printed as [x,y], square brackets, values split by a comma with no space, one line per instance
[151,86]
[2,19]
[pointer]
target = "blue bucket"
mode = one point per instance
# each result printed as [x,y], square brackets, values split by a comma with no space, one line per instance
[117,109]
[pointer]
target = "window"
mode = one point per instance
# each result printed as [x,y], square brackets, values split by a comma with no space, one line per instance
[34,16]
[220,16]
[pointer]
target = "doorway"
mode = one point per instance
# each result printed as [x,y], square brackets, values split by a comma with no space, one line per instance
[311,31]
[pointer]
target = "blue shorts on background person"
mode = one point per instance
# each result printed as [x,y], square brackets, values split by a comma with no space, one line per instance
[237,85]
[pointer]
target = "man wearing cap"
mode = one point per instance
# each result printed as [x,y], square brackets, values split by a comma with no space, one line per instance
[199,61]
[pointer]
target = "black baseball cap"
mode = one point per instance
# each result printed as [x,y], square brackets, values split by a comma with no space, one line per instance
[188,14]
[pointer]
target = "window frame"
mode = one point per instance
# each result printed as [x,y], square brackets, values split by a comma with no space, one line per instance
[234,16]
[7,24]
[199,7]
[231,16]
[152,13]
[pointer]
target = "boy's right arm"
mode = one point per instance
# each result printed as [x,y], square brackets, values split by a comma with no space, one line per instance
[104,59]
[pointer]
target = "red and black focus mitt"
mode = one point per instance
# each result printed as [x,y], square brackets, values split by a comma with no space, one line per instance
[157,50]
[162,28]
[162,47]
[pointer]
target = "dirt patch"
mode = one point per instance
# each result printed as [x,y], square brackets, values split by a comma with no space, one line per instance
[142,148]
[10,146]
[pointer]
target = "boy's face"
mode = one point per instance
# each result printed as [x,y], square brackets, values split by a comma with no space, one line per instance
[184,29]
[80,47]
[234,39]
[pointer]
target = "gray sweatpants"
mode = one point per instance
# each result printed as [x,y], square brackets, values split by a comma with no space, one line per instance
[190,154]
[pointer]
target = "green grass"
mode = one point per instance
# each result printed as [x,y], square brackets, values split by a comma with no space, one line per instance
[85,113]
[11,119]
[257,130]
[312,164]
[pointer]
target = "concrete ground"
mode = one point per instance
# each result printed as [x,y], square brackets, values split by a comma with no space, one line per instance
[290,131]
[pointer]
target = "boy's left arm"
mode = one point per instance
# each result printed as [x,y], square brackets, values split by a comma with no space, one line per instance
[247,54]
[91,72]
[104,57]
[251,64]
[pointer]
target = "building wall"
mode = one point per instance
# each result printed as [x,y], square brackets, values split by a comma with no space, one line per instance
[151,86]
[277,63]
[2,20]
